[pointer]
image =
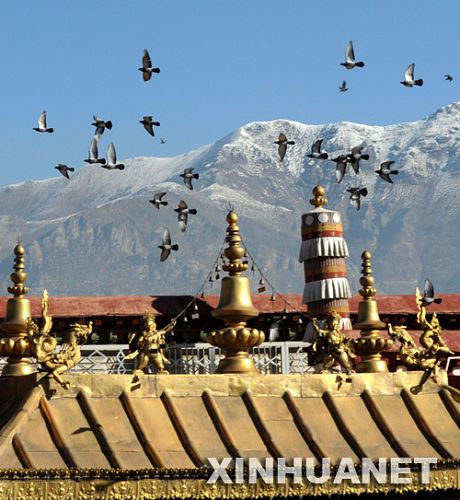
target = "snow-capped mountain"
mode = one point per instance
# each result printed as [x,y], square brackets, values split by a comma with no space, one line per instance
[97,233]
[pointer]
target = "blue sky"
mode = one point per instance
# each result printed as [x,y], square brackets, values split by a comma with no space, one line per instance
[223,64]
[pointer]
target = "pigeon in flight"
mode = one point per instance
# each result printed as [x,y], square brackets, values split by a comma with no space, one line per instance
[42,124]
[343,87]
[282,145]
[100,125]
[64,169]
[428,294]
[157,200]
[188,176]
[93,156]
[355,196]
[111,163]
[385,170]
[449,78]
[355,157]
[162,141]
[350,61]
[166,246]
[409,77]
[148,124]
[183,212]
[147,69]
[316,151]
[340,167]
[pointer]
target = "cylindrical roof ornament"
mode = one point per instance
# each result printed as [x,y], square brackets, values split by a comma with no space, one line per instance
[323,253]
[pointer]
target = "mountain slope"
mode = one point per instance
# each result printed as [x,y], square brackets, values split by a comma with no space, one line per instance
[97,233]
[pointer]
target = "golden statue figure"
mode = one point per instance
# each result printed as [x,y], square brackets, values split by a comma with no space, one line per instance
[47,320]
[433,350]
[43,348]
[431,338]
[149,345]
[409,354]
[331,346]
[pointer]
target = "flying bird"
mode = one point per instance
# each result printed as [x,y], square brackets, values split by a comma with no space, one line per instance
[316,151]
[343,87]
[64,169]
[162,141]
[100,125]
[147,69]
[409,77]
[93,156]
[282,145]
[350,61]
[157,200]
[183,212]
[166,246]
[111,163]
[355,196]
[188,176]
[428,294]
[385,171]
[42,124]
[340,167]
[148,124]
[355,157]
[449,78]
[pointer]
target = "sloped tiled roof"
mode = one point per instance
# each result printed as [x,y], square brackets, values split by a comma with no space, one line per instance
[179,421]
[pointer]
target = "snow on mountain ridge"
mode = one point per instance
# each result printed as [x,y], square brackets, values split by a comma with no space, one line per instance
[97,233]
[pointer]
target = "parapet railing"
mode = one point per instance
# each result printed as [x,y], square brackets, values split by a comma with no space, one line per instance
[192,359]
[199,358]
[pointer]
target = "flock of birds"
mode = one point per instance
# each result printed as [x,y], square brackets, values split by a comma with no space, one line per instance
[353,159]
[342,161]
[110,162]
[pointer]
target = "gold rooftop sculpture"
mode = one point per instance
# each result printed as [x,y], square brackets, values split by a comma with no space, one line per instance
[149,345]
[433,348]
[371,343]
[235,308]
[14,341]
[332,346]
[22,339]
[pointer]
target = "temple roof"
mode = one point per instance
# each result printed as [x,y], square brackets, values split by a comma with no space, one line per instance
[163,421]
[136,305]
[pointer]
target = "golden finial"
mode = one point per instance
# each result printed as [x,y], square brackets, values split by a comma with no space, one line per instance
[371,343]
[319,200]
[235,308]
[14,341]
[234,252]
[367,280]
[19,276]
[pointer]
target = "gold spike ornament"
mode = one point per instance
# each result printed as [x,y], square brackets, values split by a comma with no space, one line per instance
[371,343]
[14,341]
[235,308]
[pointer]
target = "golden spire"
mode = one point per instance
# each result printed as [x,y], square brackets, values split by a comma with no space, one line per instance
[319,200]
[234,252]
[367,279]
[19,276]
[14,328]
[235,308]
[371,343]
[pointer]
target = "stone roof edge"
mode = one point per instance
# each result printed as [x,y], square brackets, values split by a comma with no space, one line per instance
[298,385]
